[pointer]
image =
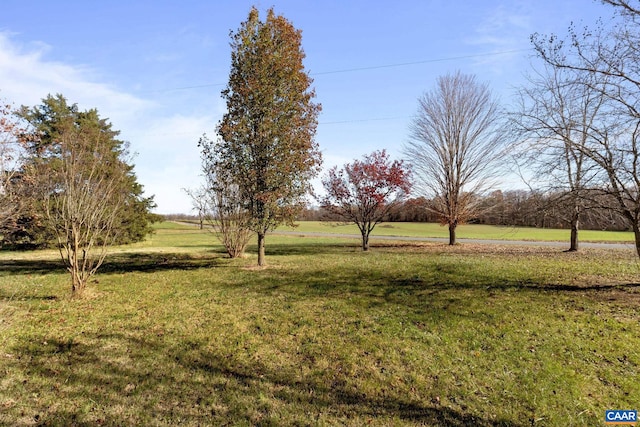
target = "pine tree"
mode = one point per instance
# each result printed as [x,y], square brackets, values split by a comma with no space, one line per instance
[81,186]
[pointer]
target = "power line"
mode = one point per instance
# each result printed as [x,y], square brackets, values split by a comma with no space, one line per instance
[352,70]
[377,119]
[427,61]
[183,88]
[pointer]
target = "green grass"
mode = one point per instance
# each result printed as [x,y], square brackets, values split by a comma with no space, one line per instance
[465,231]
[171,332]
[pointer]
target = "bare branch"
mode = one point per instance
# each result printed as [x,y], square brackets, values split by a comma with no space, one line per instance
[607,62]
[456,142]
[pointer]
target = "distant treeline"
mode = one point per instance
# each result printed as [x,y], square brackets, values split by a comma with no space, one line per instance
[510,208]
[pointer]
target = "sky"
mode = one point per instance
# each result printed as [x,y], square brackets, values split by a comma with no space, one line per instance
[156,68]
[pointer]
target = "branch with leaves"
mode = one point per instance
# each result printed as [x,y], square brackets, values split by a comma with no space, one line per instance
[267,135]
[366,191]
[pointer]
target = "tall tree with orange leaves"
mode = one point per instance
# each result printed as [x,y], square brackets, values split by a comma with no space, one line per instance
[267,135]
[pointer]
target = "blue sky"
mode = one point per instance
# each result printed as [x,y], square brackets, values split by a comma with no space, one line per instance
[156,68]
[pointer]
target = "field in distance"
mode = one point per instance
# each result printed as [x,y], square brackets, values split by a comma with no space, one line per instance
[465,231]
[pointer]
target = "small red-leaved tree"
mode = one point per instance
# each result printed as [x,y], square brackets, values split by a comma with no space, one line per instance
[366,191]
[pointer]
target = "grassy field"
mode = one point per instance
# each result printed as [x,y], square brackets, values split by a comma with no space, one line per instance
[172,332]
[465,231]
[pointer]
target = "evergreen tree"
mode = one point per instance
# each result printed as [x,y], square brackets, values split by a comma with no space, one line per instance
[42,147]
[81,185]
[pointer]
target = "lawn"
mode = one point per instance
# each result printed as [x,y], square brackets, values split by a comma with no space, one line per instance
[172,332]
[464,231]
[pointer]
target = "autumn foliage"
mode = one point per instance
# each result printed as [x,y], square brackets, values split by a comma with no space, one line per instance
[267,144]
[9,200]
[366,191]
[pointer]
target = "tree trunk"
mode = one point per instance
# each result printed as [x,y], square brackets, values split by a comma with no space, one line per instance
[636,233]
[261,249]
[77,286]
[575,223]
[365,241]
[452,234]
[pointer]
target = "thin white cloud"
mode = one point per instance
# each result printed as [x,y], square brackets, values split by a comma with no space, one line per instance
[505,27]
[164,142]
[27,77]
[168,158]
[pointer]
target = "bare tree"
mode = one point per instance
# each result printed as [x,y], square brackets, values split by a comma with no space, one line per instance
[221,203]
[229,217]
[456,140]
[610,57]
[198,198]
[552,122]
[78,169]
[624,7]
[82,207]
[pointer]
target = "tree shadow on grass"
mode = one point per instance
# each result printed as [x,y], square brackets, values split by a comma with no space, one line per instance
[432,286]
[116,263]
[7,295]
[151,379]
[99,380]
[423,297]
[334,396]
[491,284]
[303,247]
[153,262]
[22,266]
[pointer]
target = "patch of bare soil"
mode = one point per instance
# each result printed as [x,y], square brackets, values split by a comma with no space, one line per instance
[622,295]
